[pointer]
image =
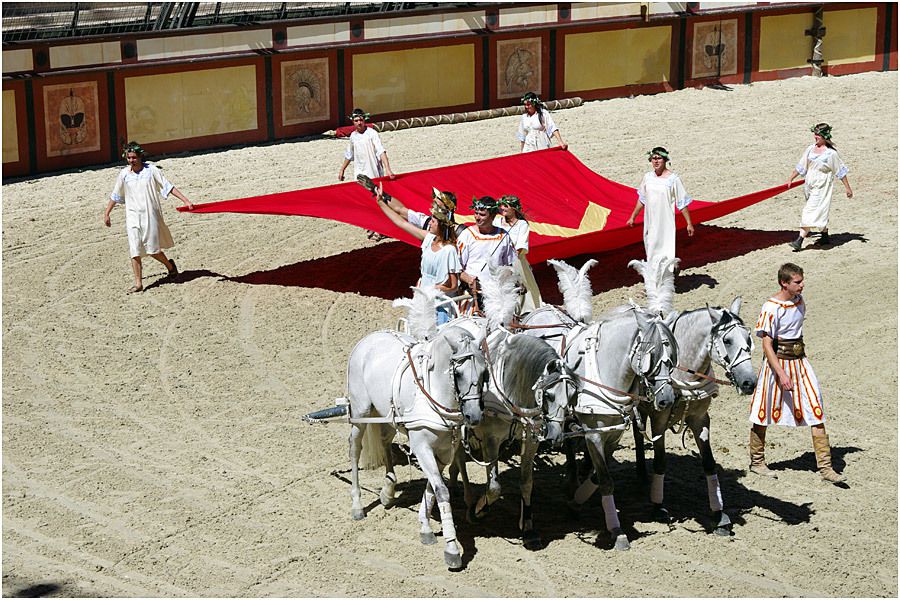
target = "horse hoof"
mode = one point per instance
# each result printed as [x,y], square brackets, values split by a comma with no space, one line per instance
[723,527]
[427,539]
[387,501]
[475,516]
[454,561]
[358,514]
[532,540]
[622,543]
[661,514]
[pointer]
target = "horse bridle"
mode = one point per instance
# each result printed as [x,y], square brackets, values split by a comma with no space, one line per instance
[456,360]
[721,358]
[544,383]
[639,350]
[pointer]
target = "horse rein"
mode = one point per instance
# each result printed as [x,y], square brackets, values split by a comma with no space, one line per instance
[524,414]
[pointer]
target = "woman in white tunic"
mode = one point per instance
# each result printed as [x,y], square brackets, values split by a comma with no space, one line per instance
[440,266]
[660,194]
[787,392]
[512,219]
[536,126]
[141,187]
[820,164]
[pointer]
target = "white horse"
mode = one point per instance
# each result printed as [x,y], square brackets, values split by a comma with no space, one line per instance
[620,356]
[529,394]
[705,336]
[426,387]
[530,390]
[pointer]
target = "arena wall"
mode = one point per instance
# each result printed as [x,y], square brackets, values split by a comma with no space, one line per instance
[72,103]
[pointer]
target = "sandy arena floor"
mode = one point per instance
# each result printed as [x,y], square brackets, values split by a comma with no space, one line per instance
[152,444]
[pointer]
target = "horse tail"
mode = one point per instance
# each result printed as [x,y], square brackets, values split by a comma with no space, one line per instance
[373,447]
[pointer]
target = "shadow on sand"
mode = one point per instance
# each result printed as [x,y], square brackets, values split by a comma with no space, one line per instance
[686,500]
[388,269]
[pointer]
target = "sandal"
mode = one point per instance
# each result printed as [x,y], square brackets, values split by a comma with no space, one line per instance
[174,270]
[135,289]
[796,244]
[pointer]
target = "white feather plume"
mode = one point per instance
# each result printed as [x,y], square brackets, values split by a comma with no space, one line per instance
[576,288]
[500,295]
[420,316]
[659,281]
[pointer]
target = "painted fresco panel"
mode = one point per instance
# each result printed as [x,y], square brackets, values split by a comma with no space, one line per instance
[783,43]
[850,36]
[630,57]
[399,80]
[518,67]
[176,106]
[304,91]
[715,49]
[10,128]
[71,118]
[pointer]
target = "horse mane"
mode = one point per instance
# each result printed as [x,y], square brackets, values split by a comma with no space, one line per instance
[500,296]
[420,314]
[659,281]
[616,312]
[526,359]
[576,288]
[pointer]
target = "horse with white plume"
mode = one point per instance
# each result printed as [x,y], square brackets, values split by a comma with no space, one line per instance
[427,386]
[530,389]
[705,336]
[623,358]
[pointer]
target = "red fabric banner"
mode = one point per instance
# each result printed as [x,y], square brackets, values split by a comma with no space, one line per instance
[571,209]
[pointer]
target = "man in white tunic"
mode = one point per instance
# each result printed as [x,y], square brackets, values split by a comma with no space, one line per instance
[536,127]
[142,187]
[787,391]
[820,164]
[483,244]
[365,150]
[660,194]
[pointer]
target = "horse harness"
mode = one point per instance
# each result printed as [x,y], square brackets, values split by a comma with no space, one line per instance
[448,415]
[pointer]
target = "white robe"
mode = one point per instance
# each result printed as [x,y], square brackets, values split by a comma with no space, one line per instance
[365,150]
[142,194]
[770,404]
[533,134]
[819,171]
[661,196]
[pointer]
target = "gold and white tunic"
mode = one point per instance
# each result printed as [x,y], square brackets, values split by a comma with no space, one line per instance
[771,405]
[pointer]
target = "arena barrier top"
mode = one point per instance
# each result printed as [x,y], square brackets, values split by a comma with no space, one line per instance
[571,209]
